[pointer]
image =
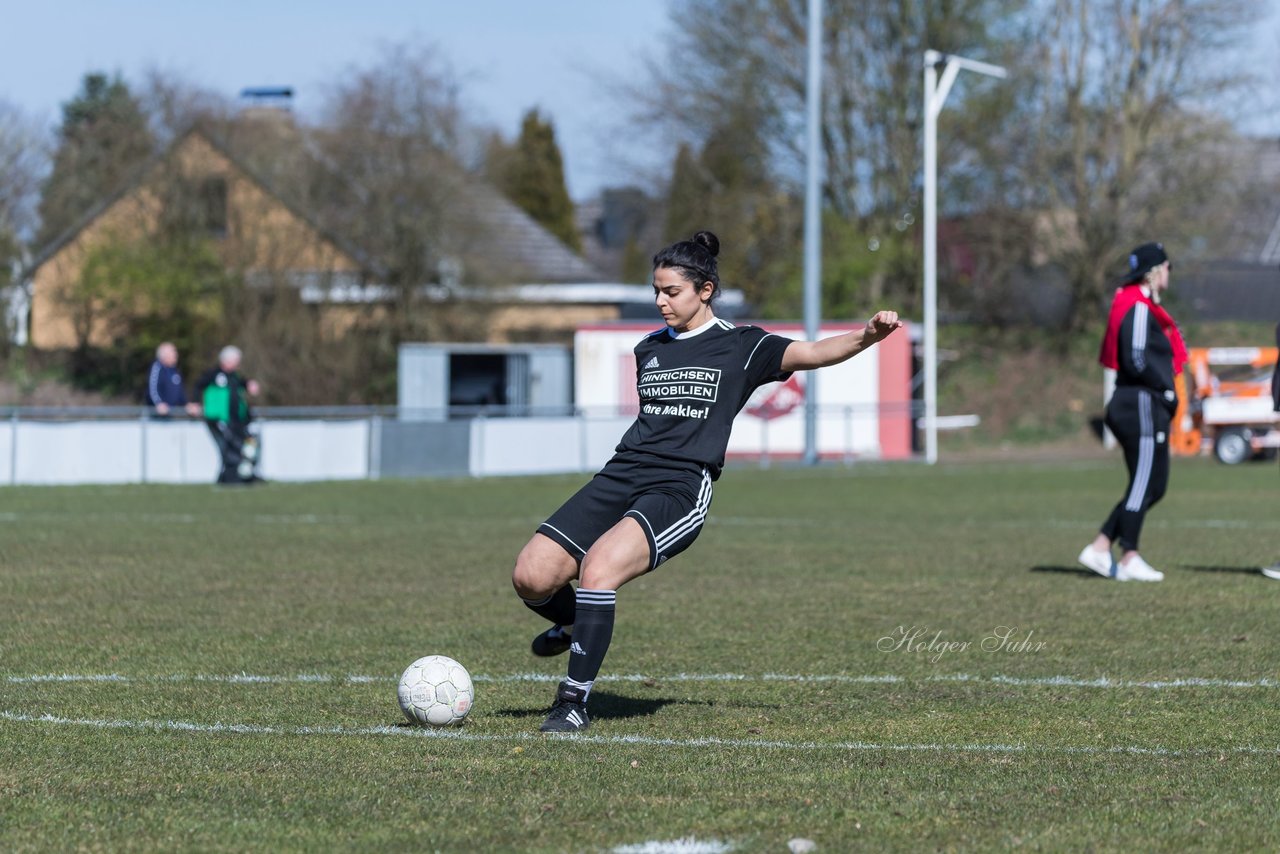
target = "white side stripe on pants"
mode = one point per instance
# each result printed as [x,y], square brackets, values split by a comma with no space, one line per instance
[1146,455]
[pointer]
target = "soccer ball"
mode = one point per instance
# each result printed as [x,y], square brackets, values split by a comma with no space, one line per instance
[435,690]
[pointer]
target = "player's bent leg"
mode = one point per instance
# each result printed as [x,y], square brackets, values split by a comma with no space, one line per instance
[541,578]
[542,568]
[620,555]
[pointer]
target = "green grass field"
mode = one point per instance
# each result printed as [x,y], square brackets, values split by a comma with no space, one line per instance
[183,668]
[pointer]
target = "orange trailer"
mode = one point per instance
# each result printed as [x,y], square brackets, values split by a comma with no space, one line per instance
[1225,404]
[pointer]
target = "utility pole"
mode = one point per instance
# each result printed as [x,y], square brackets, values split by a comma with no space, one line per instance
[813,224]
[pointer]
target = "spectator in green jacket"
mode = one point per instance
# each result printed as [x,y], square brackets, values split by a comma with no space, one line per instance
[224,396]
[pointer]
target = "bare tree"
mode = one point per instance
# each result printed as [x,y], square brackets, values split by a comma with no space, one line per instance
[23,163]
[174,104]
[1127,147]
[872,93]
[396,147]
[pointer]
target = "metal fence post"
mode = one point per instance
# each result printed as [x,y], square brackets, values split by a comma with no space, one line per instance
[142,462]
[764,443]
[375,446]
[848,435]
[13,448]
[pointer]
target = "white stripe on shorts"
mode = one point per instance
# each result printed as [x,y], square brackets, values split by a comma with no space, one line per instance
[567,538]
[690,520]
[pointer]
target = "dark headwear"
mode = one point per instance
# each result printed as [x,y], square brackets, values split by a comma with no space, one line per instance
[1143,259]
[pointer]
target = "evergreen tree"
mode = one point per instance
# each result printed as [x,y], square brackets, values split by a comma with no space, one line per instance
[688,206]
[727,187]
[636,266]
[531,174]
[103,139]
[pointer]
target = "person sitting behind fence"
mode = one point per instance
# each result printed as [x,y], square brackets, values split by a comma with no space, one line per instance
[164,384]
[225,398]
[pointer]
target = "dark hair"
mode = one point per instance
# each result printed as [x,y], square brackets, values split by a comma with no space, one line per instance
[694,258]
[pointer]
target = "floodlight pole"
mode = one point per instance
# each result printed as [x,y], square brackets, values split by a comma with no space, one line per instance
[935,95]
[813,223]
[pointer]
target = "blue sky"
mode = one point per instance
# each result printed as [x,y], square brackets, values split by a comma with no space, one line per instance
[510,54]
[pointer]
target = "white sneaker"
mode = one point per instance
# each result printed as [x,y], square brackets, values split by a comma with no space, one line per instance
[1272,571]
[1137,569]
[1100,562]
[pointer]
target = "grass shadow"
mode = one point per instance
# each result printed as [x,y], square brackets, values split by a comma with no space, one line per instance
[1068,570]
[606,705]
[1246,570]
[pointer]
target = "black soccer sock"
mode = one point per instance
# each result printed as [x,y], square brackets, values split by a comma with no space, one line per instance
[559,607]
[592,631]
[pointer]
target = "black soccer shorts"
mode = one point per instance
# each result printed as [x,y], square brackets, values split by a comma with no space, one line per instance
[670,503]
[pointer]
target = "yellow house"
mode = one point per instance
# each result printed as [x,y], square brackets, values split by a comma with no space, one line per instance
[256,232]
[519,281]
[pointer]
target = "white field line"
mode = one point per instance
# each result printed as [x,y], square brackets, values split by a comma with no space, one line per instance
[834,678]
[1052,524]
[1068,524]
[182,518]
[687,845]
[637,740]
[737,521]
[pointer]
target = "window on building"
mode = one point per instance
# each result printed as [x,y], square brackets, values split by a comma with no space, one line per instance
[212,206]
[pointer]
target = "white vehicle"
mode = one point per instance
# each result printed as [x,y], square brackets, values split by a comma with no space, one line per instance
[1235,409]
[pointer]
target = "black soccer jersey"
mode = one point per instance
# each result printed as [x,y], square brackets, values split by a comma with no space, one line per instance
[1144,354]
[692,385]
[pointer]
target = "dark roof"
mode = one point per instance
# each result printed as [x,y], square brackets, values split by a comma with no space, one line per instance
[472,222]
[619,216]
[495,239]
[516,244]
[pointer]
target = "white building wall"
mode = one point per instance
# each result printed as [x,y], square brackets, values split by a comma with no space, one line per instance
[315,450]
[80,452]
[526,446]
[177,452]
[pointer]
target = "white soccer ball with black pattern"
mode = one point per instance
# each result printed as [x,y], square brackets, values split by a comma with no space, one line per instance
[436,691]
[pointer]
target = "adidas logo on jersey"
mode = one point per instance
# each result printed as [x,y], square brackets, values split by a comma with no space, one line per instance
[652,363]
[576,649]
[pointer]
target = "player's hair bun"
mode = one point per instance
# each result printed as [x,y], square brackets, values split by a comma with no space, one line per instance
[708,241]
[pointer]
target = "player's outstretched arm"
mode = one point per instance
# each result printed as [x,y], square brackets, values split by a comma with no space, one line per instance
[807,355]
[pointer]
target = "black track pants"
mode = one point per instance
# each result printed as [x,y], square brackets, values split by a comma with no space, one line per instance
[1140,423]
[230,441]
